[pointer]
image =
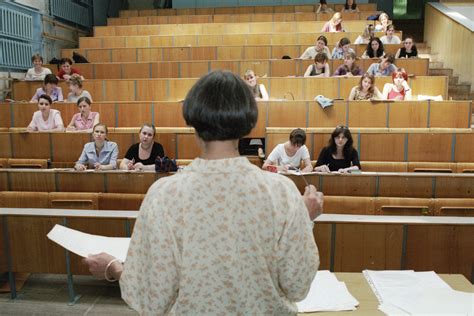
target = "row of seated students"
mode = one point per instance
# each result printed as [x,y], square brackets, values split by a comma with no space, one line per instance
[398,90]
[375,48]
[38,72]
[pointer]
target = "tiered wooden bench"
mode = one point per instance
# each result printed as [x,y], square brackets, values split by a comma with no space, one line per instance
[173,89]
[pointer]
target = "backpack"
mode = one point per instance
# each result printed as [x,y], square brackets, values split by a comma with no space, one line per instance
[165,164]
[79,59]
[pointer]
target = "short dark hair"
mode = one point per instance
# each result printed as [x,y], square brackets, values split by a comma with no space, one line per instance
[390,58]
[347,150]
[50,78]
[220,106]
[298,137]
[65,60]
[324,39]
[35,57]
[46,97]
[321,58]
[77,81]
[84,99]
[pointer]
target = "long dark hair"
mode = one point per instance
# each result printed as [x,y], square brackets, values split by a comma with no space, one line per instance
[371,52]
[348,148]
[353,6]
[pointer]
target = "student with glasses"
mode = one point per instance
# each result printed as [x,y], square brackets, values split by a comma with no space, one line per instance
[142,156]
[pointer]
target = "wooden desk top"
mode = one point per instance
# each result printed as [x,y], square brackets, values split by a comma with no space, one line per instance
[368,303]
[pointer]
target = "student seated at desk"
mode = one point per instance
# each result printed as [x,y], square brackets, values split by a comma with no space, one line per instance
[50,88]
[85,119]
[365,90]
[320,47]
[222,237]
[408,50]
[76,91]
[142,156]
[323,7]
[399,90]
[100,154]
[339,155]
[389,38]
[320,67]
[374,49]
[383,23]
[38,72]
[46,119]
[384,68]
[366,35]
[67,71]
[349,68]
[290,154]
[342,47]
[334,24]
[258,90]
[350,6]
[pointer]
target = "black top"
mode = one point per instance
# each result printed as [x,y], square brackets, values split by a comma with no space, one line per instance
[157,150]
[404,54]
[326,158]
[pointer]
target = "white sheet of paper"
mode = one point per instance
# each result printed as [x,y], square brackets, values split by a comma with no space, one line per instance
[84,244]
[442,302]
[327,294]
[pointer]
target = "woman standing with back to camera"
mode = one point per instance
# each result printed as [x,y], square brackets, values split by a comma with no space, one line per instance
[222,236]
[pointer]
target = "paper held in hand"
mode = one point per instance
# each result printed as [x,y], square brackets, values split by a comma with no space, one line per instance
[84,244]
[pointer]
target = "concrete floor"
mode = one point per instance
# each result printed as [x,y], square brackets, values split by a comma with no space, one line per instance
[45,294]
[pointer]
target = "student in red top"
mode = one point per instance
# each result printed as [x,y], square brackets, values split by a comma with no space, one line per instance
[399,90]
[67,71]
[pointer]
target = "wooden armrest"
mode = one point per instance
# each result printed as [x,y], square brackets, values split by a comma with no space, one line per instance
[467,170]
[443,170]
[423,209]
[457,208]
[26,166]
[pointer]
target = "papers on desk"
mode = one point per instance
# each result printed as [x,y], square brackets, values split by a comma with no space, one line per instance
[417,293]
[327,294]
[84,244]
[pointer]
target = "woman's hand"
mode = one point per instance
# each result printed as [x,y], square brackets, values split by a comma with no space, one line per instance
[322,168]
[98,166]
[138,166]
[313,201]
[343,170]
[79,167]
[98,263]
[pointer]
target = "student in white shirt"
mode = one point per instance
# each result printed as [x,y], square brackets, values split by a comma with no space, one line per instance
[290,154]
[389,38]
[38,72]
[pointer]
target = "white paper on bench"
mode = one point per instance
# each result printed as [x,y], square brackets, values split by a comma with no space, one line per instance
[327,294]
[84,244]
[414,293]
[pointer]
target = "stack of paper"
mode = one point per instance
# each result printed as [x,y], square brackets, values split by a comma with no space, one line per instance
[414,293]
[327,294]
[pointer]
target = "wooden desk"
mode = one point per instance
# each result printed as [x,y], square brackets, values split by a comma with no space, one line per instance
[368,303]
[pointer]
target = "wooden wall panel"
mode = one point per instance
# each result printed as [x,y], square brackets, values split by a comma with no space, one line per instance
[365,246]
[30,233]
[371,144]
[151,90]
[169,143]
[329,117]
[408,114]
[354,185]
[322,236]
[32,181]
[464,151]
[31,145]
[187,147]
[67,147]
[129,183]
[23,113]
[133,114]
[136,70]
[119,90]
[260,128]
[362,116]
[450,114]
[447,187]
[285,114]
[430,147]
[5,145]
[419,187]
[168,114]
[120,201]
[71,181]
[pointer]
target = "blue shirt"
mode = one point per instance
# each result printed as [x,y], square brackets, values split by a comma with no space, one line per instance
[374,70]
[108,155]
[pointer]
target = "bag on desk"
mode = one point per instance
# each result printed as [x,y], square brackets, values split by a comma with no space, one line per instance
[165,164]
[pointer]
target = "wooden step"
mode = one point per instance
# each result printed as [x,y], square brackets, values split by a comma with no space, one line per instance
[440,72]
